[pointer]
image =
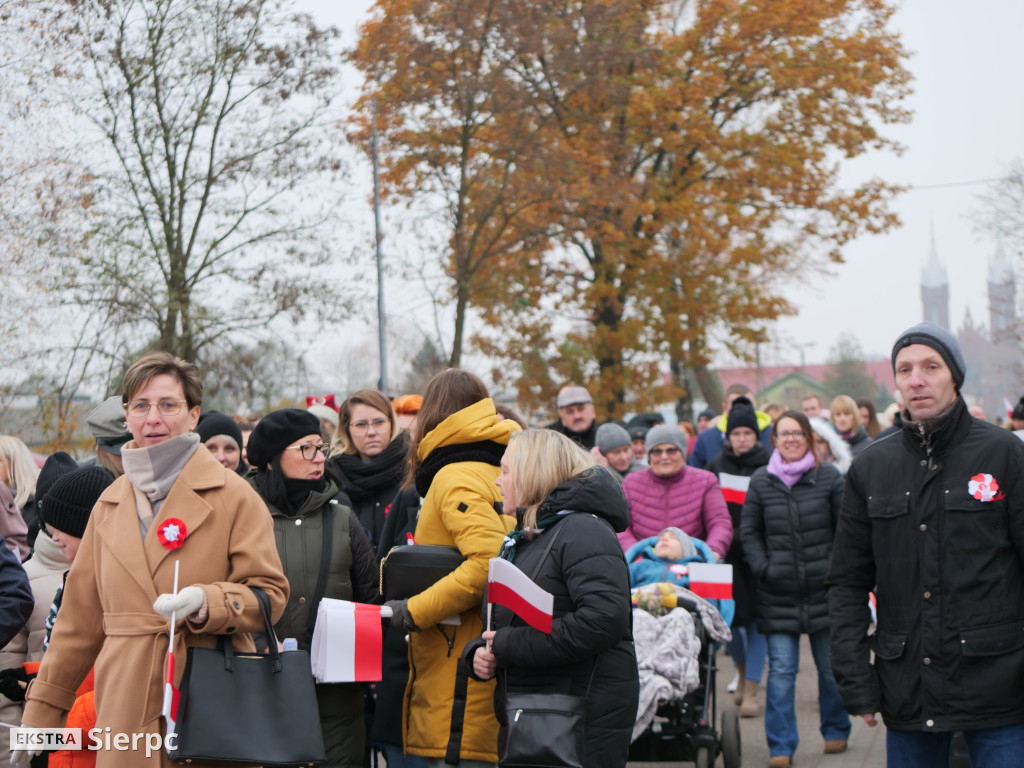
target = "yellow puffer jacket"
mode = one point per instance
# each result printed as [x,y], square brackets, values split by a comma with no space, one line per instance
[458,510]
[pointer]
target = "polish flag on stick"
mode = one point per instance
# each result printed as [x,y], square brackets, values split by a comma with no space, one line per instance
[734,487]
[713,582]
[171,692]
[510,587]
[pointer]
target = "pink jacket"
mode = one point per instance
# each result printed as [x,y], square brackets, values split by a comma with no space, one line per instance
[690,499]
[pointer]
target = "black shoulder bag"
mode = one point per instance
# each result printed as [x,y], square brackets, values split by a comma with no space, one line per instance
[544,729]
[248,708]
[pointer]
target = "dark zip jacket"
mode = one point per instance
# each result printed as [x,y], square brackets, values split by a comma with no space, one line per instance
[935,525]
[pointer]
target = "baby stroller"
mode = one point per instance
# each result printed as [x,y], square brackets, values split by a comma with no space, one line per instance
[677,635]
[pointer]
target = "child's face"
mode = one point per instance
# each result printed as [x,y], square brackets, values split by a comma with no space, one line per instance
[668,547]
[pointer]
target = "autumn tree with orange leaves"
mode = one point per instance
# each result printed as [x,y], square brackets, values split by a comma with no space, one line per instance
[683,159]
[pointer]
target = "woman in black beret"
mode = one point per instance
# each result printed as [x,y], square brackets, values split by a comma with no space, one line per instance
[325,553]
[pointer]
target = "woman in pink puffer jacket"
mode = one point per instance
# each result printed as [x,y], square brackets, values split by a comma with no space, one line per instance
[669,493]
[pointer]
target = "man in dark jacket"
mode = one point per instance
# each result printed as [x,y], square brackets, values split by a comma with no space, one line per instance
[577,419]
[933,520]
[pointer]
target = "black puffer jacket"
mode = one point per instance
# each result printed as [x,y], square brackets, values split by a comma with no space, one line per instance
[733,471]
[592,630]
[936,527]
[787,537]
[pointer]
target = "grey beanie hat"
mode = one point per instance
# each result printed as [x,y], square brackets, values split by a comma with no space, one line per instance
[939,339]
[611,436]
[665,433]
[689,548]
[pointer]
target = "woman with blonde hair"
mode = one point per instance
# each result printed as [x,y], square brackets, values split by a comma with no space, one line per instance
[19,472]
[455,457]
[568,511]
[369,457]
[845,416]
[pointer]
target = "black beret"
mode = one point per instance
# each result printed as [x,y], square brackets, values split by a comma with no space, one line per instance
[276,431]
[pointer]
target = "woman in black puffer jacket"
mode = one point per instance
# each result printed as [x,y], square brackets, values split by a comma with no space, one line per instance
[555,488]
[787,527]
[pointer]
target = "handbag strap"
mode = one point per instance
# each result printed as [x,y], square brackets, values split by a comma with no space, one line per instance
[544,556]
[325,567]
[224,642]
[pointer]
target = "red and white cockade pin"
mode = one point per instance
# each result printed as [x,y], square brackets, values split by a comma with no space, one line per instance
[984,487]
[172,533]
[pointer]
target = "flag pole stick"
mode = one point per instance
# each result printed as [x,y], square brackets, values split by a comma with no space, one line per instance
[490,607]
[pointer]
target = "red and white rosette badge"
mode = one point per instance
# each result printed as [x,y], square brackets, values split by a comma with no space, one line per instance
[172,533]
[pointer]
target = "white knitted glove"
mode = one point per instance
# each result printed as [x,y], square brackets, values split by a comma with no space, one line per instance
[187,602]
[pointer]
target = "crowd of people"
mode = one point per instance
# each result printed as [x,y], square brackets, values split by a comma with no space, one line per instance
[818,511]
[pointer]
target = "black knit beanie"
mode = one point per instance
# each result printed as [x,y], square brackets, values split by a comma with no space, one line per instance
[741,415]
[54,468]
[70,500]
[276,431]
[213,423]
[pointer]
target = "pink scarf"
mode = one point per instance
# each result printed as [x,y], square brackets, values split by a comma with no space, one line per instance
[789,472]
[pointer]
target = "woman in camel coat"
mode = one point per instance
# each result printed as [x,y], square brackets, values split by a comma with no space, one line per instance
[123,576]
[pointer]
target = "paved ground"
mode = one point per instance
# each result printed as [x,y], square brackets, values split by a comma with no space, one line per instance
[866,746]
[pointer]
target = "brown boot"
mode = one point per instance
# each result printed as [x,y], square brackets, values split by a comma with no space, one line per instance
[737,697]
[835,746]
[780,761]
[750,707]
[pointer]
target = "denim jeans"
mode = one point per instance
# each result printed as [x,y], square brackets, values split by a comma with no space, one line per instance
[395,758]
[780,704]
[749,647]
[989,747]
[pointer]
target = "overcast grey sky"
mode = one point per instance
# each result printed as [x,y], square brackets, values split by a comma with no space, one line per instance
[968,125]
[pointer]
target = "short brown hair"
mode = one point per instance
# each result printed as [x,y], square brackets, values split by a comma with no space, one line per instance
[158,363]
[446,393]
[342,442]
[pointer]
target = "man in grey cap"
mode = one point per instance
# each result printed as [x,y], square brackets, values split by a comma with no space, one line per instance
[576,416]
[110,431]
[932,521]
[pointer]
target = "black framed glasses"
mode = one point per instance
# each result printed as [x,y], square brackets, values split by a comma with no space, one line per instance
[309,451]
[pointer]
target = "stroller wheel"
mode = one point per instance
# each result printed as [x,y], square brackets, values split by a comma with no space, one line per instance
[703,758]
[732,755]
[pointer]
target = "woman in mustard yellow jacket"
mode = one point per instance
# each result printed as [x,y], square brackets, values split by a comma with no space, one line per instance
[457,450]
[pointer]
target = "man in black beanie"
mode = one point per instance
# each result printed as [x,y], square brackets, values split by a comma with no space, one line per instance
[932,521]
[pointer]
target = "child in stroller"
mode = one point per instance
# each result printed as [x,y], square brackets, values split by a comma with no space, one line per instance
[676,654]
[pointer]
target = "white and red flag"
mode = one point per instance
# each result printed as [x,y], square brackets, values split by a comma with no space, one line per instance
[171,693]
[734,487]
[510,587]
[710,581]
[347,642]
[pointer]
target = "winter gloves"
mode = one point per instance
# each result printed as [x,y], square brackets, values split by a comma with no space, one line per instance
[400,616]
[188,602]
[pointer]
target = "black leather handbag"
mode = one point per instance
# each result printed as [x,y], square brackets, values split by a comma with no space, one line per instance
[544,729]
[248,708]
[410,569]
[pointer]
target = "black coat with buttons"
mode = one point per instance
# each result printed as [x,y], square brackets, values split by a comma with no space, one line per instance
[787,538]
[936,527]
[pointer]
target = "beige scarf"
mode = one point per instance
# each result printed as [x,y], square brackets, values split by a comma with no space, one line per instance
[153,470]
